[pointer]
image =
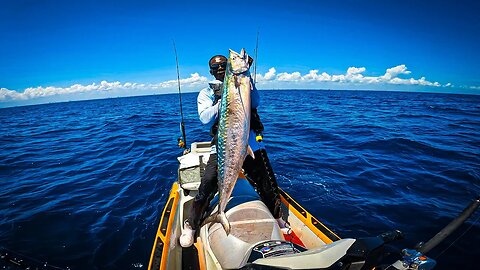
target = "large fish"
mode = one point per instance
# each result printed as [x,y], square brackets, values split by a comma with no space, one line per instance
[233,130]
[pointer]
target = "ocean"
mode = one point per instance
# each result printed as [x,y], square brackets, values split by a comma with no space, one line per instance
[83,183]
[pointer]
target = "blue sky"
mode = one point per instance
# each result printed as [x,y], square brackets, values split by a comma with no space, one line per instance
[67,50]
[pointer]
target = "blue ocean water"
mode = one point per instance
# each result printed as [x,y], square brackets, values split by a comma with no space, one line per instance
[83,183]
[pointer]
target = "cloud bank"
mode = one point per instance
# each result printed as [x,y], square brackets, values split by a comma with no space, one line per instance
[104,86]
[353,76]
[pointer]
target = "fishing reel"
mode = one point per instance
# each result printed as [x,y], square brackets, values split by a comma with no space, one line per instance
[413,260]
[259,137]
[180,142]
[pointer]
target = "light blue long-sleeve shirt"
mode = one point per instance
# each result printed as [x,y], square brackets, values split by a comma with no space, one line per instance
[208,112]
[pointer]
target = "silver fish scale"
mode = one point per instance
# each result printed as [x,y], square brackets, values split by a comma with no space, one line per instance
[234,128]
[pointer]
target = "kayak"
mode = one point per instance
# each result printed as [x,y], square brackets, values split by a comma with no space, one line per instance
[255,233]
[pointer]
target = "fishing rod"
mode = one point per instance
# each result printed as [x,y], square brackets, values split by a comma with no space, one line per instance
[451,227]
[182,143]
[259,135]
[416,259]
[255,62]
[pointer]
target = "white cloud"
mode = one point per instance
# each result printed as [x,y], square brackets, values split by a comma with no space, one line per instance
[289,77]
[313,76]
[422,81]
[6,94]
[270,75]
[355,70]
[338,78]
[104,86]
[394,72]
[193,80]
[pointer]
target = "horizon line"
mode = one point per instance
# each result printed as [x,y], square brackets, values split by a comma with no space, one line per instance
[268,89]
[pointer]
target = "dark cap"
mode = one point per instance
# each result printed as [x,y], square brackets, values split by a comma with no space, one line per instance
[217,59]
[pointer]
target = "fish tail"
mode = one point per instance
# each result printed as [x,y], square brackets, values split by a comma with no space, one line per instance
[210,219]
[218,218]
[222,218]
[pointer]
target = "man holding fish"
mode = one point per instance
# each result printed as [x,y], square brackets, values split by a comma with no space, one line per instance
[229,107]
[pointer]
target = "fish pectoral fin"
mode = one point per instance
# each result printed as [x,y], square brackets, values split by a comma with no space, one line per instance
[250,152]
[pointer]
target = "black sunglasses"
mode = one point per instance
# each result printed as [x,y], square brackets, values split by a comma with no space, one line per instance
[217,66]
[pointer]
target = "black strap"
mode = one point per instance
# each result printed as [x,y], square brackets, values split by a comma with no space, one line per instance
[255,122]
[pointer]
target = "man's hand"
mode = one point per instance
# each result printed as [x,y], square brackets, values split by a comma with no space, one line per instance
[217,99]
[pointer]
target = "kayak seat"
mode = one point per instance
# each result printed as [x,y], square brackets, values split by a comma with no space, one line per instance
[250,223]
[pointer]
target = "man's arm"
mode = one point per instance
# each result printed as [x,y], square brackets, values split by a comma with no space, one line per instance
[207,111]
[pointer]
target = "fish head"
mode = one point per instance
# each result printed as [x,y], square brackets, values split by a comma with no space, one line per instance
[238,62]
